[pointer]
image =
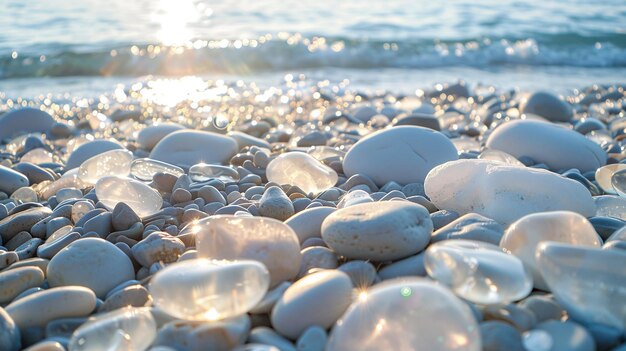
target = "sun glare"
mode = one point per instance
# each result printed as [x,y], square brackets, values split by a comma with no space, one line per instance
[175,17]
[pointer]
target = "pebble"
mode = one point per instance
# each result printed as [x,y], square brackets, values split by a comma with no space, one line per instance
[34,173]
[38,309]
[408,314]
[302,170]
[308,223]
[419,120]
[523,237]
[92,263]
[22,120]
[123,217]
[266,240]
[124,329]
[11,181]
[211,194]
[244,140]
[145,169]
[317,257]
[89,150]
[9,333]
[362,273]
[22,221]
[134,295]
[158,247]
[185,148]
[471,226]
[317,299]
[552,145]
[201,289]
[275,204]
[410,266]
[7,259]
[604,174]
[497,336]
[15,281]
[402,154]
[138,196]
[504,193]
[149,136]
[549,106]
[477,271]
[380,231]
[312,339]
[46,345]
[544,307]
[586,281]
[221,335]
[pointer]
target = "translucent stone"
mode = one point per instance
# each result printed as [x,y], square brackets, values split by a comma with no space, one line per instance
[202,289]
[618,180]
[146,168]
[477,271]
[604,174]
[25,194]
[497,155]
[110,163]
[68,193]
[266,240]
[203,172]
[37,156]
[588,282]
[130,329]
[524,236]
[301,170]
[610,206]
[354,197]
[322,152]
[79,209]
[406,314]
[141,198]
[59,233]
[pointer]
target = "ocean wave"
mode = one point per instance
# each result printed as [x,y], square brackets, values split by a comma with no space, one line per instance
[287,52]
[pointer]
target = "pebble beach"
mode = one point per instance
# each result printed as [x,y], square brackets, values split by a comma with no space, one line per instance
[406,175]
[315,218]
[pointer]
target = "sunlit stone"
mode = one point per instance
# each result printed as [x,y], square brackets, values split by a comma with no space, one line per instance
[110,163]
[79,209]
[406,314]
[477,271]
[202,289]
[501,156]
[203,172]
[266,240]
[503,192]
[604,174]
[146,168]
[24,194]
[524,236]
[37,156]
[588,282]
[301,170]
[141,198]
[618,180]
[610,206]
[131,329]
